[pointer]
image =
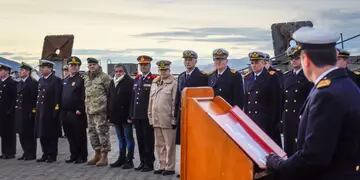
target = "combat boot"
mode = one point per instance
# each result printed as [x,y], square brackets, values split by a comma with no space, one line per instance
[103,160]
[95,159]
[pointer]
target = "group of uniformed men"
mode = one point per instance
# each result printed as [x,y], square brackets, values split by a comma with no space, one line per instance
[317,87]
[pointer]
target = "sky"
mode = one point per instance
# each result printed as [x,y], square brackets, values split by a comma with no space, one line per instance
[121,30]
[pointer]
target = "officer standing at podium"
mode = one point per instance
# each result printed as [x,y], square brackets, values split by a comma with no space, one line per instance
[192,77]
[226,83]
[329,131]
[296,89]
[262,96]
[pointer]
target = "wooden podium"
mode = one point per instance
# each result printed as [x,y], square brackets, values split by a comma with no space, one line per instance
[219,141]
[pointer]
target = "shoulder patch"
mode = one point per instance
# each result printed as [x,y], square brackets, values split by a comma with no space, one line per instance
[272,72]
[323,83]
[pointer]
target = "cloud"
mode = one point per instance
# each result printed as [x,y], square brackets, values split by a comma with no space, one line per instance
[125,52]
[6,53]
[211,34]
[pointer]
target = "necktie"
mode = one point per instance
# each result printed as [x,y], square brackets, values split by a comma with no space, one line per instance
[187,76]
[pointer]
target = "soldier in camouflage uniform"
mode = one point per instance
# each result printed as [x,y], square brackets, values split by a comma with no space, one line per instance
[96,89]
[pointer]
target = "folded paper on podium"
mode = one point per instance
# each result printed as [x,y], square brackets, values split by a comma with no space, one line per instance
[219,141]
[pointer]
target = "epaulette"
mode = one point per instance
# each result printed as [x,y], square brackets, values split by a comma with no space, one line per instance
[153,76]
[323,83]
[233,71]
[272,72]
[247,74]
[137,76]
[156,79]
[287,72]
[212,72]
[357,73]
[203,73]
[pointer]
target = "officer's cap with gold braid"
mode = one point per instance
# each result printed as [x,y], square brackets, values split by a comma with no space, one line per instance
[190,54]
[267,57]
[312,38]
[293,52]
[47,63]
[220,54]
[74,60]
[4,66]
[257,55]
[25,66]
[163,64]
[144,59]
[343,53]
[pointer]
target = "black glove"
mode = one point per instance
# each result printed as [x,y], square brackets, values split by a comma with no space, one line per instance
[173,126]
[274,162]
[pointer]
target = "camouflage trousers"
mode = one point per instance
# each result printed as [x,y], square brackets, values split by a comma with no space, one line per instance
[98,131]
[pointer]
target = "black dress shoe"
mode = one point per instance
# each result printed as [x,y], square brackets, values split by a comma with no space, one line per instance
[71,160]
[8,156]
[118,163]
[159,171]
[28,158]
[21,158]
[80,161]
[166,173]
[140,167]
[147,168]
[50,160]
[128,165]
[42,159]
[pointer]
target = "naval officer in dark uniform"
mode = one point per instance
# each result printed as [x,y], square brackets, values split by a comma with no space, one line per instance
[226,83]
[72,112]
[262,96]
[47,124]
[343,61]
[192,77]
[296,89]
[25,109]
[138,114]
[7,104]
[329,130]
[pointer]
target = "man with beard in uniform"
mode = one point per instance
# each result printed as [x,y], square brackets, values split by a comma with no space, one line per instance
[296,89]
[262,96]
[7,103]
[47,124]
[226,83]
[329,131]
[343,61]
[25,109]
[138,114]
[73,112]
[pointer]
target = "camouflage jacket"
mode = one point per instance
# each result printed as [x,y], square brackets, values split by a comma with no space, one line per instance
[96,90]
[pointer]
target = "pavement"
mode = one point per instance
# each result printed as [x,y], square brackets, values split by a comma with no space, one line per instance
[14,169]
